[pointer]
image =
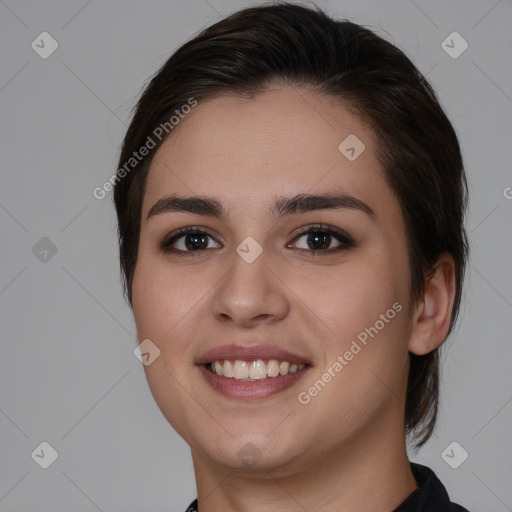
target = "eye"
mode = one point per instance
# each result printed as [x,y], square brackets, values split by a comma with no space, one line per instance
[320,239]
[317,239]
[189,239]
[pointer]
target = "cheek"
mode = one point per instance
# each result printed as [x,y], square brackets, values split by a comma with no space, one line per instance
[160,307]
[365,355]
[352,297]
[169,307]
[364,305]
[162,297]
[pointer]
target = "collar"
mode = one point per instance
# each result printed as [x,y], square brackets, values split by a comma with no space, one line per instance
[430,496]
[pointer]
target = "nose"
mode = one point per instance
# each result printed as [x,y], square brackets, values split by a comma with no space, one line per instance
[251,293]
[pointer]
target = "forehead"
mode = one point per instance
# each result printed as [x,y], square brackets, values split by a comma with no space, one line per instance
[282,142]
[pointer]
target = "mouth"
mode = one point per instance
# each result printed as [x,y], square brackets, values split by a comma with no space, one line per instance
[245,373]
[254,370]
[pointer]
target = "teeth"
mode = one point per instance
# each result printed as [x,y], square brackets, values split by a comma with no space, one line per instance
[241,370]
[227,369]
[258,370]
[272,368]
[254,370]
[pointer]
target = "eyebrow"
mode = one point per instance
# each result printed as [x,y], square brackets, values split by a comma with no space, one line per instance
[283,206]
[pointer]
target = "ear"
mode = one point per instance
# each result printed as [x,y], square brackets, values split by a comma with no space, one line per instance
[432,314]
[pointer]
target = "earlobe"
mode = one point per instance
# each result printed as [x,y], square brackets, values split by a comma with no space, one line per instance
[432,317]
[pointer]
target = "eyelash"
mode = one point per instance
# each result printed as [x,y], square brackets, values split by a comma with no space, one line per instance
[346,241]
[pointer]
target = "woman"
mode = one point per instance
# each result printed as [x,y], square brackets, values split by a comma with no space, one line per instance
[291,199]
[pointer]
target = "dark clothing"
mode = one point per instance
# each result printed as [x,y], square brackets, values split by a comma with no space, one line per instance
[430,496]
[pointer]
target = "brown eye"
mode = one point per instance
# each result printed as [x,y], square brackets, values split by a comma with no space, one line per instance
[323,239]
[316,239]
[188,239]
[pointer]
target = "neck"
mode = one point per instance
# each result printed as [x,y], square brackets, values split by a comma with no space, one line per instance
[359,475]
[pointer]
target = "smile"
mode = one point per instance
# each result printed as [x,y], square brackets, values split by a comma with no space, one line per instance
[255,370]
[252,380]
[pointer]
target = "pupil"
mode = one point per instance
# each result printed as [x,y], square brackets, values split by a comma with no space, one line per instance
[322,239]
[198,240]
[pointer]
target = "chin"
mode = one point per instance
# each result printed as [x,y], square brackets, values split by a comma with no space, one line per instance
[250,452]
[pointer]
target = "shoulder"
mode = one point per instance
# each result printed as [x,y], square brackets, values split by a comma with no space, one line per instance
[430,496]
[193,507]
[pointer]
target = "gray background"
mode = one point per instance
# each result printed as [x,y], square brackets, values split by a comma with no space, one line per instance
[68,375]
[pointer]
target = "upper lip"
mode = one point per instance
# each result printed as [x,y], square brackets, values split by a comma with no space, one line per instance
[249,353]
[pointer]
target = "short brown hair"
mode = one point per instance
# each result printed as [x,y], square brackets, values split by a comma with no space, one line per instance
[255,48]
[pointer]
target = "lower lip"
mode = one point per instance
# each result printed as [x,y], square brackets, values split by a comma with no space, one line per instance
[251,389]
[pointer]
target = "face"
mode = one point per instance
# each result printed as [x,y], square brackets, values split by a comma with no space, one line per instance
[261,275]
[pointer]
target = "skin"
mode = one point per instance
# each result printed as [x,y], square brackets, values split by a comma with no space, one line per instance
[344,450]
